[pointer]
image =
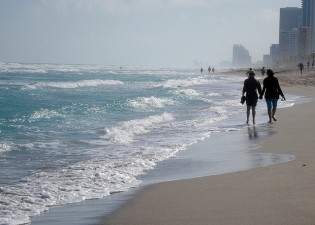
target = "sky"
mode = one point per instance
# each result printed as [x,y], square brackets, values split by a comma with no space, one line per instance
[164,33]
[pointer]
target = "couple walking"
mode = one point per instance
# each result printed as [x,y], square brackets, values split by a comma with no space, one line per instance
[271,90]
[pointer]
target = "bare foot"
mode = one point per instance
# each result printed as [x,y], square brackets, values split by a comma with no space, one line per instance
[274,118]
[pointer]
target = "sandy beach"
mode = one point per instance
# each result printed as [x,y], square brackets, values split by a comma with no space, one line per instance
[279,194]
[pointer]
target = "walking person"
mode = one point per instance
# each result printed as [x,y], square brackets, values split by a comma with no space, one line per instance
[272,91]
[301,66]
[251,86]
[263,71]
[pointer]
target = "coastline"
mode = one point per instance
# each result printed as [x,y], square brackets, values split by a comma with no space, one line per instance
[276,194]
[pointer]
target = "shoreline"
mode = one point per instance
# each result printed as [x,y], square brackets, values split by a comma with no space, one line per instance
[201,159]
[276,194]
[288,77]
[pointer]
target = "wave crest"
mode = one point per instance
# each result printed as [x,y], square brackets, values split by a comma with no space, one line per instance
[77,84]
[5,148]
[125,133]
[151,102]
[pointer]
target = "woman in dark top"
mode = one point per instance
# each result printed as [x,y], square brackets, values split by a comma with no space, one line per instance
[272,91]
[251,85]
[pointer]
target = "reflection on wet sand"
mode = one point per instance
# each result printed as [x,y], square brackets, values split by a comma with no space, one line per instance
[252,132]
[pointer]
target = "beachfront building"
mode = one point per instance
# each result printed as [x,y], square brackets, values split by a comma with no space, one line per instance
[274,52]
[241,57]
[267,60]
[288,43]
[308,8]
[304,41]
[296,34]
[290,20]
[273,58]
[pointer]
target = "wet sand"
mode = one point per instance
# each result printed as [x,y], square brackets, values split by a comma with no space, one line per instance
[279,194]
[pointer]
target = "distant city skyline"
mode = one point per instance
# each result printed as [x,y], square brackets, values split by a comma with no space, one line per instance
[241,56]
[296,35]
[170,33]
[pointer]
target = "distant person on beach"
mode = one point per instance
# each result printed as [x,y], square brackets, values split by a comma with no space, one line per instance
[263,71]
[272,90]
[213,69]
[201,70]
[248,71]
[308,64]
[209,69]
[251,86]
[301,66]
[313,64]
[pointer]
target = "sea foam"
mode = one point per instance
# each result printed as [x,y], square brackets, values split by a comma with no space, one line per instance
[44,114]
[150,102]
[126,131]
[185,82]
[5,148]
[72,85]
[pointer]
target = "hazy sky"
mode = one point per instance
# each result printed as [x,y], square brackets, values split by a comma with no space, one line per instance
[171,33]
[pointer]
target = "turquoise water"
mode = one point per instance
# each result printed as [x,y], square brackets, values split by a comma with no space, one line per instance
[76,132]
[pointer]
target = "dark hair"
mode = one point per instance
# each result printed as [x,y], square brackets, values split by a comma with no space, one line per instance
[270,72]
[251,73]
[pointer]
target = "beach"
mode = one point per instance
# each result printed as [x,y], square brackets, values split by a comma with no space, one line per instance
[276,194]
[63,151]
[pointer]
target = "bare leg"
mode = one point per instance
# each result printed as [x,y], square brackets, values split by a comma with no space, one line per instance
[269,114]
[273,114]
[253,113]
[248,113]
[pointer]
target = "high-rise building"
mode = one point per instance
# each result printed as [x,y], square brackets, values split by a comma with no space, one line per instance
[267,60]
[308,7]
[288,43]
[290,20]
[241,57]
[274,53]
[304,41]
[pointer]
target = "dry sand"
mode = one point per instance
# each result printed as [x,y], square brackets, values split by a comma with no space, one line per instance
[272,195]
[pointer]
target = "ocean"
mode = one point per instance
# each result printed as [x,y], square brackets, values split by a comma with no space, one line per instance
[70,133]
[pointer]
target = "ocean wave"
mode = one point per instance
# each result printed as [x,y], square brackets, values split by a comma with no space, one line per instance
[150,102]
[44,114]
[5,148]
[93,179]
[82,68]
[71,184]
[21,68]
[213,94]
[219,113]
[230,102]
[77,84]
[184,82]
[189,92]
[39,68]
[126,132]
